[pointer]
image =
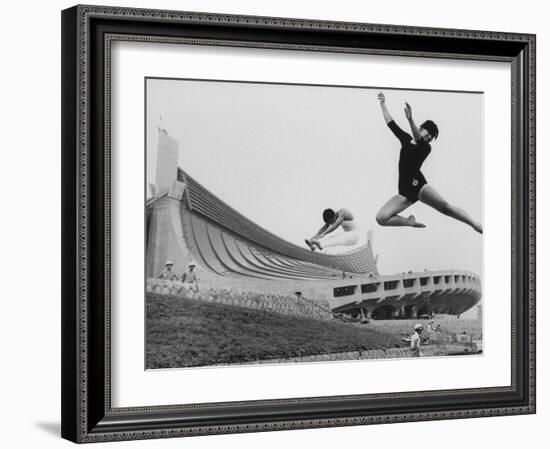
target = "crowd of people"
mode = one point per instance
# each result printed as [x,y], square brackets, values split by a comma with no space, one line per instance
[187,285]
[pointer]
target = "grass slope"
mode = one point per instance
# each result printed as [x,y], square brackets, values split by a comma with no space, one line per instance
[183,332]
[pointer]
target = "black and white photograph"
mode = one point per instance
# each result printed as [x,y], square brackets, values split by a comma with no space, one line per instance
[275,224]
[302,223]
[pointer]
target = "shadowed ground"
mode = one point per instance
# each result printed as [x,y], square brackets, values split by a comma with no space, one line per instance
[182,332]
[449,326]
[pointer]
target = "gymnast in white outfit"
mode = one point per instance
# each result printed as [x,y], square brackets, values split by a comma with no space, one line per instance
[334,220]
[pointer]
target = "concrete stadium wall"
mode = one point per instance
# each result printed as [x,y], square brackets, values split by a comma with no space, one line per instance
[269,302]
[450,291]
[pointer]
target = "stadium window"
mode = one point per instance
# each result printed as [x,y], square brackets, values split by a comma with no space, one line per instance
[369,288]
[390,285]
[407,283]
[437,279]
[344,291]
[424,281]
[457,278]
[448,279]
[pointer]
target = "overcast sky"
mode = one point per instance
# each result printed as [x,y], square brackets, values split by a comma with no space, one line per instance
[281,154]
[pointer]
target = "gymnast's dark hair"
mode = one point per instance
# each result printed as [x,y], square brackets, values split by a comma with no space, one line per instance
[431,127]
[328,216]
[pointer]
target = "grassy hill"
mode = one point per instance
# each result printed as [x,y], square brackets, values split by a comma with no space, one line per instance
[182,332]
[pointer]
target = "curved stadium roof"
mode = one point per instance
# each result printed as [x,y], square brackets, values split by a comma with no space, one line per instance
[231,244]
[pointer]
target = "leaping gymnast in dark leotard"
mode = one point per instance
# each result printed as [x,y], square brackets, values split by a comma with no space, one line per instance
[412,184]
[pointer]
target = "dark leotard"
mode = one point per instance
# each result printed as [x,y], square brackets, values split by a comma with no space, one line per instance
[412,156]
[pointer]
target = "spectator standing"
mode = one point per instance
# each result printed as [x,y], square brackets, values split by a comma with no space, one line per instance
[167,274]
[190,279]
[416,339]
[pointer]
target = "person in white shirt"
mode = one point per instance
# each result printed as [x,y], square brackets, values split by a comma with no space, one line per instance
[167,274]
[415,340]
[190,279]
